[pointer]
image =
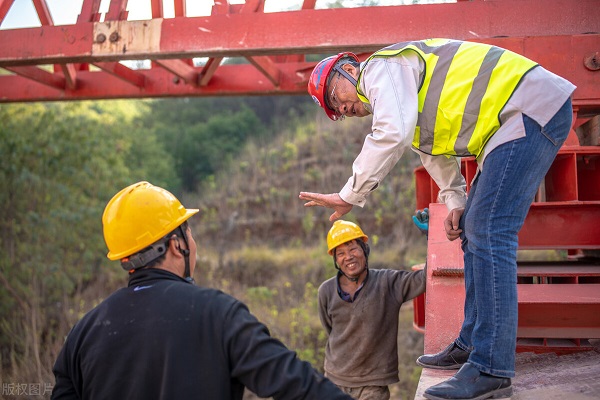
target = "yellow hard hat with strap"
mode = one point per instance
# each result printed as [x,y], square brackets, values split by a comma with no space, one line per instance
[342,232]
[138,216]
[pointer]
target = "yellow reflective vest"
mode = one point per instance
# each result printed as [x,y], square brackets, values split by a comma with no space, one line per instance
[464,88]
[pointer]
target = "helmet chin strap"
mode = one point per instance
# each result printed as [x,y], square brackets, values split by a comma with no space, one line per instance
[343,273]
[346,75]
[144,257]
[186,256]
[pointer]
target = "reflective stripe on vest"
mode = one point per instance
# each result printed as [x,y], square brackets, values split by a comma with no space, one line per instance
[462,92]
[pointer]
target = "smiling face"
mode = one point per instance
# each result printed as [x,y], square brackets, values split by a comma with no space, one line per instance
[342,95]
[351,259]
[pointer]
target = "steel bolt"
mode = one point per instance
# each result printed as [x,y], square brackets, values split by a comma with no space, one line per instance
[592,61]
[114,37]
[101,38]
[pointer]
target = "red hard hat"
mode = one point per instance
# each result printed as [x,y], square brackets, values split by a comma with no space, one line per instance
[318,81]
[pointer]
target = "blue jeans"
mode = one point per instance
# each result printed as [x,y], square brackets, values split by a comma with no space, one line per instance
[496,208]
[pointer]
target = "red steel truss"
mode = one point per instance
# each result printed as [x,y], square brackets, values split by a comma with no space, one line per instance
[83,60]
[559,301]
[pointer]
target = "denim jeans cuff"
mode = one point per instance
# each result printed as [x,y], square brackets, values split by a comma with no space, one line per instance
[463,346]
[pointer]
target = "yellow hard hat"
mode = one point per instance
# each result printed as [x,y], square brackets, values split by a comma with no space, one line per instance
[342,232]
[138,216]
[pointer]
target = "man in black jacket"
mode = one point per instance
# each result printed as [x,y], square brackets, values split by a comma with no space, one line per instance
[162,337]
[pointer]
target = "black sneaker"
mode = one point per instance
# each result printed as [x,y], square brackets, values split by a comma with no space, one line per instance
[452,357]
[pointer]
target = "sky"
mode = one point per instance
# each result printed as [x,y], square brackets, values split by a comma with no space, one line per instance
[64,12]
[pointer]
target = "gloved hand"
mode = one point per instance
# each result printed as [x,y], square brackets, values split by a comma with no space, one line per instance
[421,220]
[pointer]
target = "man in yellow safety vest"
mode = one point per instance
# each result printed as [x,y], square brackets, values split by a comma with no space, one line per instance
[447,99]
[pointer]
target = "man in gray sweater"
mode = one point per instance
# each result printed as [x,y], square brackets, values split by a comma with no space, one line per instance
[359,310]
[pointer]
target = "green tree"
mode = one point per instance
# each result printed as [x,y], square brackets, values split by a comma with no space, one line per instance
[203,134]
[59,165]
[201,148]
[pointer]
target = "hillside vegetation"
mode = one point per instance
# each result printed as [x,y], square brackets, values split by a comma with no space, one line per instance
[258,242]
[61,163]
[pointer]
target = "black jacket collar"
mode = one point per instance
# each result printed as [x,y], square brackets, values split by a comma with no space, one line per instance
[143,276]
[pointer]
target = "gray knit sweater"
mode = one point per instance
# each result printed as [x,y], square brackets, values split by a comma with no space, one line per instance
[362,345]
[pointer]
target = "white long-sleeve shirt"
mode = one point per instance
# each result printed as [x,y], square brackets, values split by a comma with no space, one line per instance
[391,85]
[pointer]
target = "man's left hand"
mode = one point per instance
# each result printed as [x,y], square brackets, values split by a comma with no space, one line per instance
[451,223]
[332,200]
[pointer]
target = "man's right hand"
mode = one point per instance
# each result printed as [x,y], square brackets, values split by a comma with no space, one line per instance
[332,200]
[451,223]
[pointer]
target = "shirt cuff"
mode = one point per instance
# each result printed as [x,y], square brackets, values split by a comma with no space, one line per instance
[455,202]
[353,198]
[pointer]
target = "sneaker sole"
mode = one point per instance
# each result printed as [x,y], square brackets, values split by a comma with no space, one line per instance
[496,394]
[447,367]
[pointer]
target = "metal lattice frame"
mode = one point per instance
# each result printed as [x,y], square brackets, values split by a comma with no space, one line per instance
[83,60]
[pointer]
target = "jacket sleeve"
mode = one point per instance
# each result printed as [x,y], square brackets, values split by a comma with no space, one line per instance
[64,388]
[323,306]
[265,366]
[408,285]
[391,87]
[445,171]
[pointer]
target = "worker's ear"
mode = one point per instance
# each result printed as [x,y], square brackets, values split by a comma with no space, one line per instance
[351,69]
[174,246]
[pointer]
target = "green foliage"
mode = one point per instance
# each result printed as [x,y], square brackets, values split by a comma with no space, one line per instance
[205,135]
[59,165]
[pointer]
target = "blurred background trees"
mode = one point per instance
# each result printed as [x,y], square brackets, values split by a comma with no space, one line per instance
[242,161]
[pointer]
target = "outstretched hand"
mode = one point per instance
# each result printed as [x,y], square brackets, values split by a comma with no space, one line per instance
[332,200]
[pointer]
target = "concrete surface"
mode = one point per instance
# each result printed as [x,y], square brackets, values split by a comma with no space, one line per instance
[542,376]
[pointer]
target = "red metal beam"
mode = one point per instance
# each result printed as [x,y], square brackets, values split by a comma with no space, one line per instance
[546,310]
[70,73]
[157,9]
[267,67]
[209,70]
[89,11]
[246,79]
[554,39]
[179,7]
[228,80]
[546,226]
[43,12]
[117,11]
[181,70]
[302,32]
[252,6]
[35,74]
[4,7]
[122,72]
[309,4]
[445,293]
[559,311]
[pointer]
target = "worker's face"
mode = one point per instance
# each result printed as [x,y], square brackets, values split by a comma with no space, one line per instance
[343,96]
[351,259]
